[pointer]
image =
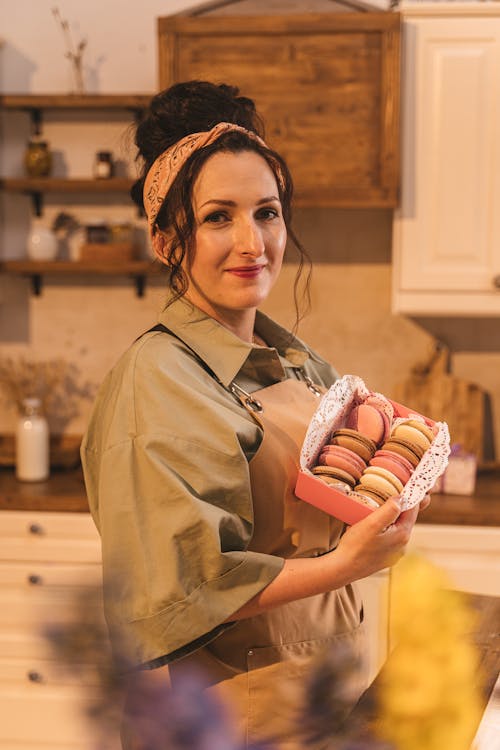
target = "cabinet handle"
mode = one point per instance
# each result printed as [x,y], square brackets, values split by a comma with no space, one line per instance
[34,676]
[36,528]
[35,579]
[496,281]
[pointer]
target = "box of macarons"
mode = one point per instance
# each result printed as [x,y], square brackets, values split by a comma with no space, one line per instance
[362,448]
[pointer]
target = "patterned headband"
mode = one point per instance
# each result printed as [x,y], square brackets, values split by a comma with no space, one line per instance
[167,166]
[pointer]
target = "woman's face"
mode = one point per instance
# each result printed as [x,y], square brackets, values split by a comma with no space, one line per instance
[239,238]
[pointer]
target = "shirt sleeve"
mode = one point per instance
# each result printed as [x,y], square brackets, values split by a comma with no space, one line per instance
[166,468]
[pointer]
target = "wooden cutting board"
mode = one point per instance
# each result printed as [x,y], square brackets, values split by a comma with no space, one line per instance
[435,392]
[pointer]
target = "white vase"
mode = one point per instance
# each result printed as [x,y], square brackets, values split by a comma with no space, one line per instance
[42,242]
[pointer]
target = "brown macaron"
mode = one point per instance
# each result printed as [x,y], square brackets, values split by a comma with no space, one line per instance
[377,496]
[413,453]
[332,473]
[363,446]
[364,499]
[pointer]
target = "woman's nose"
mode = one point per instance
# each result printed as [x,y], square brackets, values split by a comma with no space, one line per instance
[248,239]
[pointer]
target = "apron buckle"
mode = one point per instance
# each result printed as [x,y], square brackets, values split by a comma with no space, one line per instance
[312,387]
[252,403]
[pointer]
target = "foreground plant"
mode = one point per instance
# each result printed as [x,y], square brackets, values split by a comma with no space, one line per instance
[429,697]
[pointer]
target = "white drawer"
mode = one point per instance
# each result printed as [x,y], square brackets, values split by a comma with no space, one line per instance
[41,674]
[38,716]
[26,535]
[35,595]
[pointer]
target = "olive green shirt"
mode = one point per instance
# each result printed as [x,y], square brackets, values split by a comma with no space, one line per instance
[166,464]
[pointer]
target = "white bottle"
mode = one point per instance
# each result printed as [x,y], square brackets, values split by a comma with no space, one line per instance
[32,443]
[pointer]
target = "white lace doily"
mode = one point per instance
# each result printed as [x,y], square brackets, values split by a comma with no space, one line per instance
[331,414]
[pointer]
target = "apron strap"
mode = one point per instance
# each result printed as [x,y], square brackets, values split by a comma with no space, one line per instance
[244,398]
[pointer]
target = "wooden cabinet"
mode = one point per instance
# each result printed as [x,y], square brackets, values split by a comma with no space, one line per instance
[447,229]
[326,84]
[45,559]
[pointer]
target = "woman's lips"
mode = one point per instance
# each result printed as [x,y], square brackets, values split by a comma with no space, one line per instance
[246,272]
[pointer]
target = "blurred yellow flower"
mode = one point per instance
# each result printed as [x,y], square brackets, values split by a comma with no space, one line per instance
[428,695]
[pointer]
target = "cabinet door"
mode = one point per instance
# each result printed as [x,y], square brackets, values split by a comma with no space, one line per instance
[470,555]
[375,596]
[447,231]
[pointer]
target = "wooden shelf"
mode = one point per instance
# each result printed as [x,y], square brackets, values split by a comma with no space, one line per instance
[66,185]
[75,101]
[37,186]
[139,270]
[35,104]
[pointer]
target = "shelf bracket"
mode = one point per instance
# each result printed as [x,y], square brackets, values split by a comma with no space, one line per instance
[36,284]
[140,285]
[37,200]
[36,120]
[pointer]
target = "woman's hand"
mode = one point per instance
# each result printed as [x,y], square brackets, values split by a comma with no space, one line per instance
[425,503]
[376,542]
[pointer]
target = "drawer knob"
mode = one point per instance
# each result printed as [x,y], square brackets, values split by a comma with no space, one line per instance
[496,281]
[36,528]
[34,676]
[35,579]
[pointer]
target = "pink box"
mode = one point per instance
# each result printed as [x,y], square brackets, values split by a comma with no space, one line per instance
[334,502]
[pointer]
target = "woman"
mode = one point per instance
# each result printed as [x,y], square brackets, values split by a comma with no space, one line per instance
[191,454]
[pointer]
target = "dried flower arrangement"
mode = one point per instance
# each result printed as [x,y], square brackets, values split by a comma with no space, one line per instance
[73,53]
[56,382]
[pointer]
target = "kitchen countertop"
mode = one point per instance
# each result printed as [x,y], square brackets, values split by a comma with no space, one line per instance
[64,491]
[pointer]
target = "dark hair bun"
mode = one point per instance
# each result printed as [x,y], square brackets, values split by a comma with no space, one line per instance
[191,107]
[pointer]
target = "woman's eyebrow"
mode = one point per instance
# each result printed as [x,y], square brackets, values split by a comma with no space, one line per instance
[221,202]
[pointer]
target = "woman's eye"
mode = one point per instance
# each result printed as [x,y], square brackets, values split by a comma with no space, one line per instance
[217,217]
[268,213]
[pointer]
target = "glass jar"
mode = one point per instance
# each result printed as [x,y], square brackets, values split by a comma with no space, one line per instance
[120,231]
[32,443]
[37,159]
[103,167]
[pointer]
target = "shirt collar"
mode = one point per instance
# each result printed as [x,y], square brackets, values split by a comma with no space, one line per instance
[226,354]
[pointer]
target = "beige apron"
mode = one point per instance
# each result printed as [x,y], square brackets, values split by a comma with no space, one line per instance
[261,664]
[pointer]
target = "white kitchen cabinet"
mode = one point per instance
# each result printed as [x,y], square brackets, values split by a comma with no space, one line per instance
[470,555]
[46,560]
[446,240]
[375,595]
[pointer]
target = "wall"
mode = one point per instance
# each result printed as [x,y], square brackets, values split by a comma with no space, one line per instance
[89,323]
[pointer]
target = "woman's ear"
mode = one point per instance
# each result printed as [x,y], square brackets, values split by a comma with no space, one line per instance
[160,243]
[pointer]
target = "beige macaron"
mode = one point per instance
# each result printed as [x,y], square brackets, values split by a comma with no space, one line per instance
[385,474]
[412,433]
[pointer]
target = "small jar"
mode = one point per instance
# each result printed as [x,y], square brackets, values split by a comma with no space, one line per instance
[97,231]
[32,443]
[120,231]
[103,166]
[37,159]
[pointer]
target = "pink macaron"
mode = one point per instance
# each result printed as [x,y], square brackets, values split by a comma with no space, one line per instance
[369,421]
[393,462]
[342,458]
